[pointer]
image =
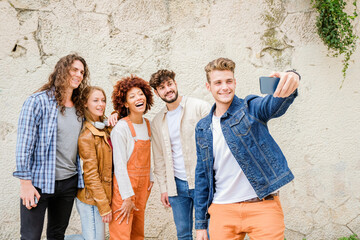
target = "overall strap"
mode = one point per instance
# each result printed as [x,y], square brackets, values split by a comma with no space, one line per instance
[131,126]
[148,127]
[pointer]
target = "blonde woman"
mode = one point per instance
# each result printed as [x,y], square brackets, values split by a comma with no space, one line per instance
[95,150]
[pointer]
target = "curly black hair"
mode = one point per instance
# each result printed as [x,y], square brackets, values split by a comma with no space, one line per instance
[121,89]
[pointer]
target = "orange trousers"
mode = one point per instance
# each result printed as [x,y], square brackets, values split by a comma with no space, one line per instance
[260,220]
[138,168]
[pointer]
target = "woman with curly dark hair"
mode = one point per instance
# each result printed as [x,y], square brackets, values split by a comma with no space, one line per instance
[132,182]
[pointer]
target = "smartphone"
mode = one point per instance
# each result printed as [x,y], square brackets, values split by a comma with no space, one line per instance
[268,84]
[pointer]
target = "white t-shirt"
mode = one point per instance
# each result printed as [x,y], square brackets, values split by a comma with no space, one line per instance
[173,121]
[123,146]
[231,184]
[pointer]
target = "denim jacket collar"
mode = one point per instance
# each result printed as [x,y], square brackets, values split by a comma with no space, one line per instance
[235,105]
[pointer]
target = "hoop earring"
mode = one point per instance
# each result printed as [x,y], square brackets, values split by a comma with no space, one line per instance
[127,111]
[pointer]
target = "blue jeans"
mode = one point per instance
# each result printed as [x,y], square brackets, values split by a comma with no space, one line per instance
[92,225]
[182,206]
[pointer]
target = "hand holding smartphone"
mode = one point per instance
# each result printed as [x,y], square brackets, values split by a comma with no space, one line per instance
[268,85]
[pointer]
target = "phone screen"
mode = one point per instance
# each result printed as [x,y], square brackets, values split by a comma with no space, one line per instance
[268,84]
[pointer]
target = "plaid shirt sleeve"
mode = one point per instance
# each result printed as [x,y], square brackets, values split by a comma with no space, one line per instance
[26,137]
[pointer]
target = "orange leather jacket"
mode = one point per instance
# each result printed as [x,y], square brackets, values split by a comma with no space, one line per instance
[96,155]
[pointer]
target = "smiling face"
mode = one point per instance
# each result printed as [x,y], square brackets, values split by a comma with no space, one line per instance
[135,101]
[96,104]
[167,91]
[222,86]
[76,74]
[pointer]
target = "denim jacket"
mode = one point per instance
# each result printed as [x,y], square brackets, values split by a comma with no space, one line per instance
[244,126]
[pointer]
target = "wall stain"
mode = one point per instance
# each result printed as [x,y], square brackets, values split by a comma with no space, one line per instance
[273,39]
[6,129]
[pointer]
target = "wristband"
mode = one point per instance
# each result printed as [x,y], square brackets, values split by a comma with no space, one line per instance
[294,71]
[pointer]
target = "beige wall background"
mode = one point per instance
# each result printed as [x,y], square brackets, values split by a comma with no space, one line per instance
[319,134]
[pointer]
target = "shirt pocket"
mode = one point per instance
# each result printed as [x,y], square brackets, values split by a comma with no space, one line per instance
[239,124]
[204,149]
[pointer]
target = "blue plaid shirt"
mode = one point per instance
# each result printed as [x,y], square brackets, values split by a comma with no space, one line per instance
[36,143]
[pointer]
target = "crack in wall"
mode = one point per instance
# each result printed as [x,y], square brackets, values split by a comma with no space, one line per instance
[18,51]
[298,232]
[37,39]
[113,31]
[353,230]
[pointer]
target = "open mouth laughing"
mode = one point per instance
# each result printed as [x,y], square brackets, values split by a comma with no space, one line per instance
[139,104]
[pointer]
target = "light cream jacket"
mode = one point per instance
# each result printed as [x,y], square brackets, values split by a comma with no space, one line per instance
[193,110]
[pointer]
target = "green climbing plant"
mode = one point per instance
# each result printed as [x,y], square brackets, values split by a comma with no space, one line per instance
[352,237]
[335,29]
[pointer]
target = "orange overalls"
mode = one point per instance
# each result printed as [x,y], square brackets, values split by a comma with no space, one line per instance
[138,168]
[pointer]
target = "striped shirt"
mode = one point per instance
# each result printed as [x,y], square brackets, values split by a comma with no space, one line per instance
[36,143]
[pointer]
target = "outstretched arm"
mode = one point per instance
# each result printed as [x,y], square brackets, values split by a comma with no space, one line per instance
[272,106]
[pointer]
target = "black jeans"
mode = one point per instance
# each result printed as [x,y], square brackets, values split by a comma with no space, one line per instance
[58,205]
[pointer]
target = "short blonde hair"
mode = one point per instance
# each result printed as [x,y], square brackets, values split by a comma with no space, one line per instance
[219,64]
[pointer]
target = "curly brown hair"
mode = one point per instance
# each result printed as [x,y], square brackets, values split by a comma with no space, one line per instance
[161,76]
[221,64]
[58,82]
[121,89]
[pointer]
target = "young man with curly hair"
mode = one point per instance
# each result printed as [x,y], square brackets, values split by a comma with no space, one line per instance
[47,162]
[239,165]
[174,150]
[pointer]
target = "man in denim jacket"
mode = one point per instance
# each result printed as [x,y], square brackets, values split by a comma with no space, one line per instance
[239,165]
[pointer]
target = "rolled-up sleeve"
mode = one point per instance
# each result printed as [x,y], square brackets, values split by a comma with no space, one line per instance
[28,124]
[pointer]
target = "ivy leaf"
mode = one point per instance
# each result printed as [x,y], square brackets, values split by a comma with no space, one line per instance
[335,29]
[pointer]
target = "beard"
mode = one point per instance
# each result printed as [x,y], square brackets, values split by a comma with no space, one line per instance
[171,100]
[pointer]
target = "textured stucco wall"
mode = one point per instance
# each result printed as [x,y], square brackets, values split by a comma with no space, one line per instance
[319,134]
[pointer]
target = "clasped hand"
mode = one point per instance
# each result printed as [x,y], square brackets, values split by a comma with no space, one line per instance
[28,194]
